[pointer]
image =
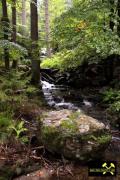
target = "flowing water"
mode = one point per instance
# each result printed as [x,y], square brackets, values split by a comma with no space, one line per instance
[63,97]
[60,96]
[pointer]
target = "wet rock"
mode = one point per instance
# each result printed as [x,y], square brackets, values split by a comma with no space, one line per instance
[74,135]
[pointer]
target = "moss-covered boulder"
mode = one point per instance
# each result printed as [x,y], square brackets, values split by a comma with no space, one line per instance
[74,135]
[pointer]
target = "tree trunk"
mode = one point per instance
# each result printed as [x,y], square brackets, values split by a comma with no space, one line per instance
[118,26]
[14,64]
[69,3]
[5,22]
[23,17]
[34,46]
[112,15]
[47,27]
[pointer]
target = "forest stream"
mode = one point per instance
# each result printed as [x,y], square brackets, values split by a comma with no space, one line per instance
[64,97]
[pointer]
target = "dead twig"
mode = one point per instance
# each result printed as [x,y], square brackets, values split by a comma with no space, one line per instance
[35,157]
[39,147]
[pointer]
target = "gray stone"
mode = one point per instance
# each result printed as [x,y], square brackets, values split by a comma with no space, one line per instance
[74,134]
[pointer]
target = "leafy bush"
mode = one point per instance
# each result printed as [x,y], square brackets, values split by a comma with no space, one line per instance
[115,107]
[15,50]
[92,49]
[112,97]
[18,129]
[9,128]
[10,81]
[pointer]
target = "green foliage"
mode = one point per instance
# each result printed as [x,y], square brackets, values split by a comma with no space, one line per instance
[16,51]
[115,107]
[101,139]
[112,97]
[83,33]
[10,82]
[104,138]
[69,125]
[32,91]
[65,59]
[2,96]
[8,128]
[55,61]
[18,129]
[5,122]
[8,104]
[23,41]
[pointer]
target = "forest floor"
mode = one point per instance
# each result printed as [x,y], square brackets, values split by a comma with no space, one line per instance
[21,153]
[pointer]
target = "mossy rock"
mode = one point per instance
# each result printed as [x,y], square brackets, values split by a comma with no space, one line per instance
[74,135]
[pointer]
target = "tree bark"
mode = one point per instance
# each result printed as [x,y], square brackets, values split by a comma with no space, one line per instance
[47,27]
[34,46]
[69,3]
[5,22]
[23,17]
[14,64]
[118,26]
[112,15]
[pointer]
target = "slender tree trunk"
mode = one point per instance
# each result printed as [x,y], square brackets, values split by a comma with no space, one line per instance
[34,47]
[5,22]
[69,3]
[118,26]
[112,15]
[23,17]
[14,65]
[47,27]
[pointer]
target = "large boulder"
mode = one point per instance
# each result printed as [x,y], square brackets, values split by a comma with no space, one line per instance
[74,135]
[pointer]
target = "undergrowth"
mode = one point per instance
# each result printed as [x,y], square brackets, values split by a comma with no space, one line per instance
[14,93]
[112,98]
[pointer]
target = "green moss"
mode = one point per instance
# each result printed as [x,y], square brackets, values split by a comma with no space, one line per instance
[51,135]
[101,139]
[69,125]
[90,137]
[74,115]
[30,89]
[49,130]
[104,138]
